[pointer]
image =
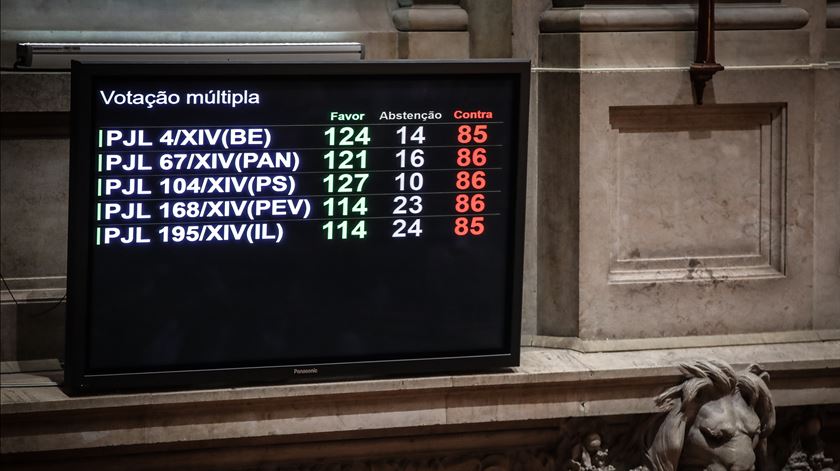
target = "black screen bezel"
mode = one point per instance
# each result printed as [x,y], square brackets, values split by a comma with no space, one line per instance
[80,234]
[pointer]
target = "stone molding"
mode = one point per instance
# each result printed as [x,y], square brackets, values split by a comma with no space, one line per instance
[600,18]
[832,15]
[429,15]
[34,289]
[695,341]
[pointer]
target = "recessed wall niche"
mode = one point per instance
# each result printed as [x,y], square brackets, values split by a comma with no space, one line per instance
[699,192]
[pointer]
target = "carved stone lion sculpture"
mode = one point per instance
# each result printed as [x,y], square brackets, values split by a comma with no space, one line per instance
[716,420]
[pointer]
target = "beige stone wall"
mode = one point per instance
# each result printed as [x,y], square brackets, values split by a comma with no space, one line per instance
[723,223]
[657,232]
[692,220]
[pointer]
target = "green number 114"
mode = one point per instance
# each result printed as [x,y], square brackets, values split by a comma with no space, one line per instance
[341,230]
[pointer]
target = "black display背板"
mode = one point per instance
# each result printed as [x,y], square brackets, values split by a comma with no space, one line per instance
[244,223]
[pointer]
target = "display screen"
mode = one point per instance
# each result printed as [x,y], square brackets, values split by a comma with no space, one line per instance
[293,220]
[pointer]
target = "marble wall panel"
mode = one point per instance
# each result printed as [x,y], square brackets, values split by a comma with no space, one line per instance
[698,192]
[827,200]
[673,202]
[612,194]
[32,330]
[558,204]
[434,45]
[711,306]
[33,207]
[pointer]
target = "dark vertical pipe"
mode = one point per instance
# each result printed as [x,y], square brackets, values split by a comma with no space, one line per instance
[705,32]
[704,66]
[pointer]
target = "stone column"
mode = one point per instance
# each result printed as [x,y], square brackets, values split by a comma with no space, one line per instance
[659,218]
[827,171]
[431,29]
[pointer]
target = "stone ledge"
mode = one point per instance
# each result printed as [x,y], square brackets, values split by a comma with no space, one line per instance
[694,341]
[670,18]
[35,289]
[550,384]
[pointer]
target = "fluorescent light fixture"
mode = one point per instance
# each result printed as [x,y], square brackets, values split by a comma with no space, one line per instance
[59,55]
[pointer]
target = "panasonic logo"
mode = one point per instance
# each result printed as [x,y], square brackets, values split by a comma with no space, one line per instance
[305,371]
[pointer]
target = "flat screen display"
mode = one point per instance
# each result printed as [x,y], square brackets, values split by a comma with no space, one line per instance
[261,222]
